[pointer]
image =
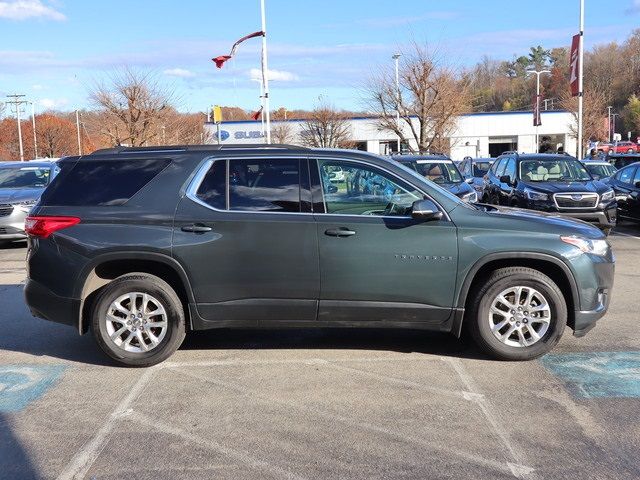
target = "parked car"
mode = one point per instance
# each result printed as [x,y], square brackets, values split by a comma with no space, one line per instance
[141,245]
[21,184]
[619,147]
[441,170]
[553,183]
[599,169]
[622,160]
[475,170]
[626,184]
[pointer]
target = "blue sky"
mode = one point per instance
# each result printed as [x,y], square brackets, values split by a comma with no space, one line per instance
[54,50]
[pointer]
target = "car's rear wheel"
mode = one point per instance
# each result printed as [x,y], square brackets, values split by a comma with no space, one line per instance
[517,313]
[138,320]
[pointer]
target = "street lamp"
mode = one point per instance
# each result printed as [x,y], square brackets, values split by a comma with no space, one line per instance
[537,74]
[395,57]
[33,120]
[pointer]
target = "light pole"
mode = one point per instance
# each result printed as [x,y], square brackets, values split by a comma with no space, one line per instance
[78,131]
[580,79]
[396,57]
[35,139]
[537,74]
[609,123]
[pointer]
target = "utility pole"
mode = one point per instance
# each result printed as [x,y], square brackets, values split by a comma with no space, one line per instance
[537,74]
[265,72]
[396,57]
[35,139]
[580,79]
[16,100]
[78,130]
[609,123]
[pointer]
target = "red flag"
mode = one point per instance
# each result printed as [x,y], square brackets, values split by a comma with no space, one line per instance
[574,62]
[256,115]
[219,61]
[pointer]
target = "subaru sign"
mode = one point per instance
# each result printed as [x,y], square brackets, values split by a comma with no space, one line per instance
[224,135]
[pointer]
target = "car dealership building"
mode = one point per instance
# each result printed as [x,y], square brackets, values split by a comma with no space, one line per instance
[475,135]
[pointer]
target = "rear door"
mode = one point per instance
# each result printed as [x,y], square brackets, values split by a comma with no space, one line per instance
[634,196]
[246,236]
[376,262]
[622,184]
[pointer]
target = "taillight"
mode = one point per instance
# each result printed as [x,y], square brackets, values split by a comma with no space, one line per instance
[44,226]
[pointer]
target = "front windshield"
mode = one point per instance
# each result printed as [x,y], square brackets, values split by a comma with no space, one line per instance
[24,177]
[601,171]
[553,170]
[438,171]
[480,169]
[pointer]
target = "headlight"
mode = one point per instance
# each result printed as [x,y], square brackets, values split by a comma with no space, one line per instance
[533,195]
[608,195]
[470,197]
[587,245]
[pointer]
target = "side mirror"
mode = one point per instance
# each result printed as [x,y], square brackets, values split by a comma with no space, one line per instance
[505,179]
[425,210]
[469,180]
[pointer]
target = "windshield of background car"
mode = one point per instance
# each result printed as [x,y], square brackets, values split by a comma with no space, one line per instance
[480,169]
[24,177]
[601,171]
[438,171]
[553,170]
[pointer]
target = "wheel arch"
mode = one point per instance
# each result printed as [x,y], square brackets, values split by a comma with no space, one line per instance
[107,267]
[551,266]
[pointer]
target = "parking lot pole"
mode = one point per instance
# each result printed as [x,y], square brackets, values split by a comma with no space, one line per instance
[580,79]
[35,139]
[265,73]
[78,131]
[396,56]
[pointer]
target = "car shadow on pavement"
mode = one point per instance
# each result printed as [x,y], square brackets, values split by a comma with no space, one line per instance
[16,463]
[371,339]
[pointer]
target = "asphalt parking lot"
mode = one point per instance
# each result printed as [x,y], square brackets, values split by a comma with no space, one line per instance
[321,404]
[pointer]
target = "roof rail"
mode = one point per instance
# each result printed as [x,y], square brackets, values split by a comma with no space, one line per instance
[509,152]
[196,148]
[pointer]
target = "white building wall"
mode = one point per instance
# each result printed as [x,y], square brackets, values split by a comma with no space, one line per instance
[472,136]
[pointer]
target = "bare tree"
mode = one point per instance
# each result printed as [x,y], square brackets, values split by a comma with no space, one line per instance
[431,96]
[326,127]
[131,107]
[282,132]
[594,116]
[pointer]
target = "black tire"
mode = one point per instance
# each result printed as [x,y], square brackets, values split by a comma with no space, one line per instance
[160,290]
[477,319]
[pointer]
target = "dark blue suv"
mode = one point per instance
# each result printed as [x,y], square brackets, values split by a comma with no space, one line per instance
[557,184]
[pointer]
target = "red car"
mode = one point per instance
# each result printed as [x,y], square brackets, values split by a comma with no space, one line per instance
[620,147]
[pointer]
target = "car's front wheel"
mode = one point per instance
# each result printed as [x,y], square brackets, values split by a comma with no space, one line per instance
[138,320]
[517,313]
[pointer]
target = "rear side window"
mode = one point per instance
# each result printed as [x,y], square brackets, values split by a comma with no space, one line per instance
[101,182]
[262,185]
[212,190]
[626,175]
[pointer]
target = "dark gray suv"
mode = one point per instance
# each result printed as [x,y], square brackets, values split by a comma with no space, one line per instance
[140,245]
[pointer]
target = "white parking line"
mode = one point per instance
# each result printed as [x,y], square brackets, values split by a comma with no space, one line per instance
[80,464]
[243,457]
[333,417]
[519,469]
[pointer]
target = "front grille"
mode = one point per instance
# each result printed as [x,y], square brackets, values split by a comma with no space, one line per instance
[576,200]
[5,210]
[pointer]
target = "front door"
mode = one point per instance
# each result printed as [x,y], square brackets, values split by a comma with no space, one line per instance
[376,262]
[246,237]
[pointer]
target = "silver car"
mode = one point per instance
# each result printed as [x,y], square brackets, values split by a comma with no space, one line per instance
[21,184]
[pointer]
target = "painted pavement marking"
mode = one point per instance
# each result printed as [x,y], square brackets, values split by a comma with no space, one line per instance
[597,374]
[22,384]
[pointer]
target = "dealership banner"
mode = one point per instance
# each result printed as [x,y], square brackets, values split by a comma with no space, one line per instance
[575,66]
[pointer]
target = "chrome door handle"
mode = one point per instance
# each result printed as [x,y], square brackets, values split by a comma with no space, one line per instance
[196,228]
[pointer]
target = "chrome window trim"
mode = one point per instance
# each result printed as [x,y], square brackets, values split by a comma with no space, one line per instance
[584,194]
[197,179]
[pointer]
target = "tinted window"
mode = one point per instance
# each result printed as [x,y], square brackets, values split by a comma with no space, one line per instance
[636,179]
[24,177]
[600,171]
[101,182]
[480,169]
[626,174]
[365,191]
[212,190]
[553,170]
[264,185]
[510,169]
[498,168]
